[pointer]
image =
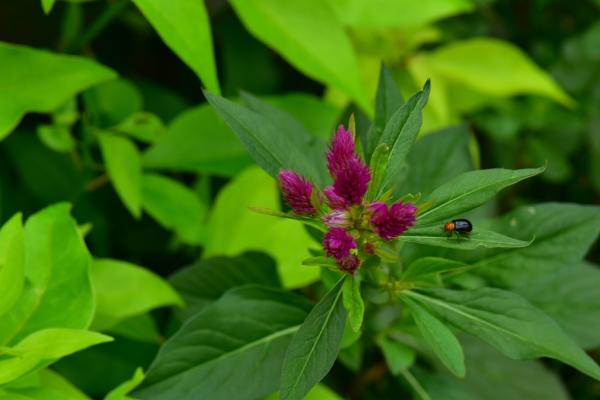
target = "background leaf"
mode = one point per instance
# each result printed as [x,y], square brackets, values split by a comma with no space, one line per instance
[115,301]
[175,207]
[309,36]
[234,228]
[124,168]
[184,26]
[58,292]
[12,262]
[45,81]
[353,302]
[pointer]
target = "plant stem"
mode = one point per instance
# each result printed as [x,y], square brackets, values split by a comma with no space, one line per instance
[414,383]
[98,25]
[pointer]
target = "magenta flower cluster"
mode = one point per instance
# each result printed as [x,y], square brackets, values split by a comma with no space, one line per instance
[356,227]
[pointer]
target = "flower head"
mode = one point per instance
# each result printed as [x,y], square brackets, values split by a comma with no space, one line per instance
[389,223]
[370,223]
[338,243]
[297,192]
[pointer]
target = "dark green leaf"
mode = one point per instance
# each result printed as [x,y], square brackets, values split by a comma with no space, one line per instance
[229,350]
[470,190]
[206,280]
[401,132]
[435,236]
[439,337]
[398,356]
[427,266]
[387,101]
[507,322]
[315,347]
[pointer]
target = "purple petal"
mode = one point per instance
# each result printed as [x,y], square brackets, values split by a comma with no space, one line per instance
[352,181]
[340,151]
[335,201]
[297,192]
[337,219]
[389,223]
[338,243]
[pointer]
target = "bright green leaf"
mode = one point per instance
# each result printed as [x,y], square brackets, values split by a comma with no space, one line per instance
[47,385]
[309,36]
[43,347]
[507,322]
[494,67]
[143,126]
[56,137]
[12,262]
[184,26]
[182,148]
[47,5]
[439,337]
[116,301]
[39,81]
[314,348]
[234,228]
[124,168]
[175,206]
[121,391]
[223,343]
[57,268]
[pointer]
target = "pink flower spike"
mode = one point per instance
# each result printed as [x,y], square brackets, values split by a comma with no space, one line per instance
[297,192]
[335,201]
[338,243]
[352,181]
[340,151]
[337,219]
[389,223]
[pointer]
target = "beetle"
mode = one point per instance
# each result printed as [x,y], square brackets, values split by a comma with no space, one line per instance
[459,226]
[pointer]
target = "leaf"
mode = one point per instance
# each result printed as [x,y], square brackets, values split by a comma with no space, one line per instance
[116,301]
[439,337]
[470,190]
[208,279]
[233,228]
[47,6]
[57,138]
[494,67]
[141,328]
[222,343]
[309,36]
[143,126]
[48,385]
[563,235]
[492,376]
[184,26]
[427,266]
[121,391]
[570,296]
[12,262]
[265,142]
[58,293]
[299,138]
[435,159]
[353,302]
[39,81]
[315,346]
[43,347]
[401,132]
[111,103]
[398,356]
[397,13]
[507,322]
[182,148]
[435,236]
[124,168]
[387,101]
[175,207]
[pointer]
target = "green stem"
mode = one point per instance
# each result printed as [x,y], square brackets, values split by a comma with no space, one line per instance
[99,25]
[414,383]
